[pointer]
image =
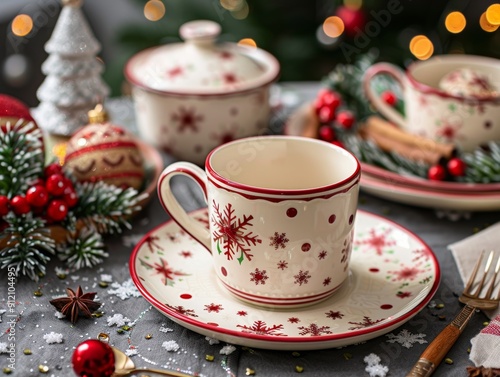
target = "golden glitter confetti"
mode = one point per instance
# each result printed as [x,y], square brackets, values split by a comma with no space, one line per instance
[120,331]
[27,351]
[148,336]
[299,369]
[347,355]
[22,25]
[62,276]
[448,361]
[126,327]
[209,357]
[38,293]
[486,323]
[249,372]
[103,284]
[296,354]
[97,314]
[439,306]
[43,368]
[7,370]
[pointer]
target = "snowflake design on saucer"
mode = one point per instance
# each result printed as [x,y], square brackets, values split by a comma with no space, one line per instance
[213,308]
[302,277]
[152,243]
[405,273]
[334,315]
[260,328]
[314,330]
[322,254]
[278,240]
[377,241]
[259,276]
[182,310]
[406,338]
[186,118]
[167,272]
[367,322]
[232,233]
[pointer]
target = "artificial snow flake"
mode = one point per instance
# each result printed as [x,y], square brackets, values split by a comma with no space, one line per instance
[170,345]
[377,370]
[227,350]
[107,278]
[118,320]
[212,341]
[131,352]
[61,271]
[131,240]
[165,329]
[4,347]
[372,359]
[59,315]
[406,338]
[125,290]
[53,337]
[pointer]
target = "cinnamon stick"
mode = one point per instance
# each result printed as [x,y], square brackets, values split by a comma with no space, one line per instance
[377,125]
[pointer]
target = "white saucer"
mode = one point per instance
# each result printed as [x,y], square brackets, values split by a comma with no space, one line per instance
[393,276]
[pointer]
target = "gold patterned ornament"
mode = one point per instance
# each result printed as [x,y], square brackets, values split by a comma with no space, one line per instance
[102,151]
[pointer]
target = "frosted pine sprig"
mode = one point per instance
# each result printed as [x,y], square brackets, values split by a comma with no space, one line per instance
[85,250]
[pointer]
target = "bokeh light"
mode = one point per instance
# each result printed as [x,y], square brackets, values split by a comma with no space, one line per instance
[455,22]
[333,26]
[22,25]
[493,14]
[485,25]
[353,4]
[421,47]
[247,42]
[241,13]
[232,5]
[154,10]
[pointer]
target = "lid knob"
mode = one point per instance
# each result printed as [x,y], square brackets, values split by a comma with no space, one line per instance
[200,32]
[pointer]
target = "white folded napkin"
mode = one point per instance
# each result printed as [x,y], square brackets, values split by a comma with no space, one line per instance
[467,251]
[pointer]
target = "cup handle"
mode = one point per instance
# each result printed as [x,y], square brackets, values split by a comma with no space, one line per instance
[172,206]
[397,74]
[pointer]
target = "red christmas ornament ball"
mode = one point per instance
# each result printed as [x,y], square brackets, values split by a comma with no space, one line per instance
[37,196]
[105,152]
[70,197]
[93,358]
[54,168]
[345,119]
[55,184]
[20,205]
[327,98]
[4,205]
[326,114]
[389,98]
[456,167]
[326,133]
[436,173]
[57,210]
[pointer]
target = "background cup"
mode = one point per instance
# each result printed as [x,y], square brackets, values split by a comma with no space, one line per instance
[281,214]
[465,121]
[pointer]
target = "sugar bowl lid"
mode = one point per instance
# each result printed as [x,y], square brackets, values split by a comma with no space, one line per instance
[200,65]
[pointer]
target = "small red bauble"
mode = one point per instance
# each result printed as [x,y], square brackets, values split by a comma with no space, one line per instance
[456,167]
[328,98]
[51,169]
[389,98]
[37,196]
[55,184]
[4,205]
[326,133]
[345,119]
[93,358]
[326,114]
[57,210]
[436,173]
[70,197]
[20,205]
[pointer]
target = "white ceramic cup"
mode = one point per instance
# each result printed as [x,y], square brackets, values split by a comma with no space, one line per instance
[464,120]
[281,214]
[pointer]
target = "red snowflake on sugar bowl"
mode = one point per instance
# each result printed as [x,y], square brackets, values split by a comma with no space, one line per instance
[278,240]
[302,277]
[187,118]
[232,233]
[259,276]
[314,330]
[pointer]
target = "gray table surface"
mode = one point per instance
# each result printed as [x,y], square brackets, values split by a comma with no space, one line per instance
[36,317]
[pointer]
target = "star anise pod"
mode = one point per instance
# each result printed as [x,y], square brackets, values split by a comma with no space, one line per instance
[76,303]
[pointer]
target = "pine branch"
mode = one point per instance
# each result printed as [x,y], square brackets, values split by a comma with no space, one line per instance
[85,250]
[483,166]
[28,246]
[21,157]
[106,208]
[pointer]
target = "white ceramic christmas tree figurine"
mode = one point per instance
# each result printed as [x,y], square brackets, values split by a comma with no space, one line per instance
[73,84]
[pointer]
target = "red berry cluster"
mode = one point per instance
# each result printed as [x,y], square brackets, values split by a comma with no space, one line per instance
[455,167]
[327,107]
[51,198]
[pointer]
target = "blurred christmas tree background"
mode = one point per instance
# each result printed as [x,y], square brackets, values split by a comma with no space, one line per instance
[308,37]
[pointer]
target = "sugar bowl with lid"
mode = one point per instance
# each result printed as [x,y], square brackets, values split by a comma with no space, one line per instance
[191,97]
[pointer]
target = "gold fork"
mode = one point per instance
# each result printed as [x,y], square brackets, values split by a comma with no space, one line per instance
[473,300]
